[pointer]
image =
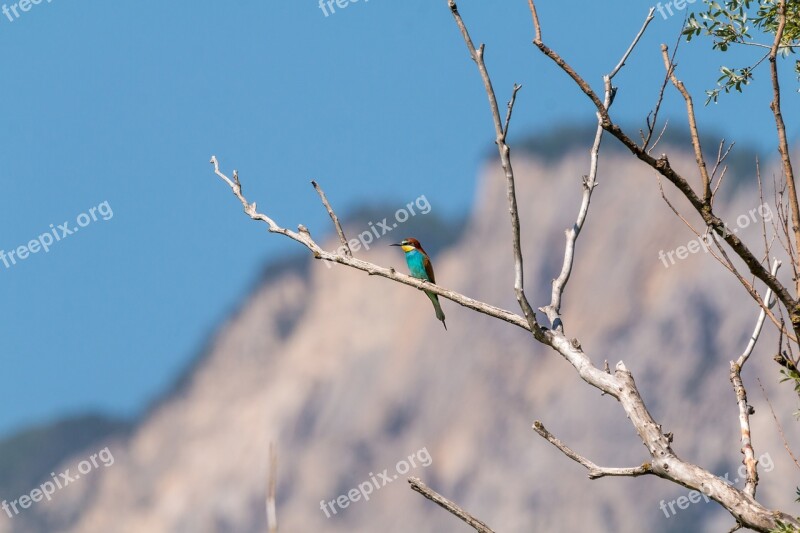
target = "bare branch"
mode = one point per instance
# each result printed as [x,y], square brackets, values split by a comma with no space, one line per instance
[782,225]
[334,218]
[666,464]
[250,209]
[505,161]
[783,144]
[725,261]
[452,508]
[695,136]
[510,108]
[636,39]
[745,410]
[770,302]
[595,471]
[536,26]
[721,157]
[553,310]
[304,238]
[652,116]
[663,167]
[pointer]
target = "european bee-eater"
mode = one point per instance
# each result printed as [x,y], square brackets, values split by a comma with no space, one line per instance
[421,268]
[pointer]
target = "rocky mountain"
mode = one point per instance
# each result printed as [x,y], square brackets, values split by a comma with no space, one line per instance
[356,382]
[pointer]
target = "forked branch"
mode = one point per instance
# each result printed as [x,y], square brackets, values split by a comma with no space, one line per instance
[749,460]
[553,310]
[665,463]
[595,471]
[505,160]
[303,236]
[664,168]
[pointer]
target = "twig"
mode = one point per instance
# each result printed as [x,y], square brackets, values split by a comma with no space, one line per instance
[720,159]
[778,425]
[651,123]
[510,108]
[452,508]
[745,410]
[537,27]
[695,136]
[595,471]
[727,263]
[334,218]
[636,39]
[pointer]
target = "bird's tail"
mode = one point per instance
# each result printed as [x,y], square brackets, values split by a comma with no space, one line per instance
[437,306]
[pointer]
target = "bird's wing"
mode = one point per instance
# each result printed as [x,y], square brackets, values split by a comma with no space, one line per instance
[429,269]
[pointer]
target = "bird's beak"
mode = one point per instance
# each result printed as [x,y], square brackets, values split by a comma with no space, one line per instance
[396,244]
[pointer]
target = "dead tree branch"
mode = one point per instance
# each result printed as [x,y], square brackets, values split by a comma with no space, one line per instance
[595,471]
[693,133]
[334,218]
[783,143]
[452,508]
[505,161]
[749,460]
[665,463]
[303,237]
[553,310]
[663,167]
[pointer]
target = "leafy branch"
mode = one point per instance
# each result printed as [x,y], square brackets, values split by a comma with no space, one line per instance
[733,22]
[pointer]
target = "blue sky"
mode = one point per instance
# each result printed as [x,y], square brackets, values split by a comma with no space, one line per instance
[125,102]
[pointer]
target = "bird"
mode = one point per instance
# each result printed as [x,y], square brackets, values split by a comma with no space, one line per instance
[421,268]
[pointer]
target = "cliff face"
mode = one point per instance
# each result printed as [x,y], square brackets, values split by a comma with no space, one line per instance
[353,378]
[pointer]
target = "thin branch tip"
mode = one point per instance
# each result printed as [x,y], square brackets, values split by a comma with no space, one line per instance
[451,507]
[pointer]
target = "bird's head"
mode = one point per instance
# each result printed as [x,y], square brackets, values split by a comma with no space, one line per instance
[409,244]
